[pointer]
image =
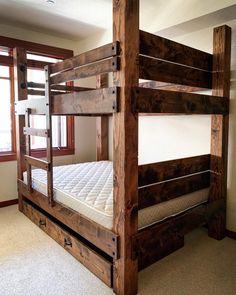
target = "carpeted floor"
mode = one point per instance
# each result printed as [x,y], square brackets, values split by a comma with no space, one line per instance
[32,263]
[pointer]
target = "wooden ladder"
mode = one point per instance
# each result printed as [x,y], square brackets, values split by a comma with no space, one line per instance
[47,133]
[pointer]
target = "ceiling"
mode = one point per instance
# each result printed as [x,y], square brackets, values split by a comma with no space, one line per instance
[77,19]
[73,18]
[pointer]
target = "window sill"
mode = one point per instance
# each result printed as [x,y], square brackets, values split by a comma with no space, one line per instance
[10,156]
[41,153]
[7,156]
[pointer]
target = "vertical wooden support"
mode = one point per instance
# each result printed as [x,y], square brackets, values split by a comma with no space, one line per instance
[20,80]
[102,125]
[219,128]
[28,150]
[125,146]
[49,137]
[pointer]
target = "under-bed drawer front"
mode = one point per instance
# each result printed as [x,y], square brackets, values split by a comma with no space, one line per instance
[97,264]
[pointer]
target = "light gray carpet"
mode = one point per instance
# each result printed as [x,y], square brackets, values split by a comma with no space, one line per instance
[32,263]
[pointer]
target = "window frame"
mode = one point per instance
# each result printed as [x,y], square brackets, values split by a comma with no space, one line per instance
[43,50]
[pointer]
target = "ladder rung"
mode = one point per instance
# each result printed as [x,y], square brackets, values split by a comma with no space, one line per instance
[37,163]
[36,132]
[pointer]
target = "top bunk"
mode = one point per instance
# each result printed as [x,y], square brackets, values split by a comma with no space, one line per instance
[172,72]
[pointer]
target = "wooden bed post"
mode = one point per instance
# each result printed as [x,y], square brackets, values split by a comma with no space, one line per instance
[219,129]
[125,146]
[102,125]
[20,86]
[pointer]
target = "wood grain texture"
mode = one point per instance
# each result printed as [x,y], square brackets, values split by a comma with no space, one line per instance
[49,154]
[35,132]
[103,52]
[20,74]
[83,253]
[161,192]
[163,101]
[93,69]
[220,125]
[125,146]
[67,88]
[159,47]
[161,171]
[170,86]
[158,70]
[157,241]
[41,164]
[93,102]
[102,124]
[37,106]
[100,236]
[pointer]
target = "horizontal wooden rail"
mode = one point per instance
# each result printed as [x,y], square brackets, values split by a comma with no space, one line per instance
[36,132]
[97,68]
[159,70]
[152,243]
[161,171]
[148,100]
[37,106]
[170,86]
[167,190]
[35,162]
[155,242]
[94,102]
[41,92]
[57,87]
[91,56]
[100,236]
[159,47]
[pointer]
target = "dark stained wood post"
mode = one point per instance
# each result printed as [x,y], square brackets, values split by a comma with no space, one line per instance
[20,86]
[125,146]
[219,128]
[102,125]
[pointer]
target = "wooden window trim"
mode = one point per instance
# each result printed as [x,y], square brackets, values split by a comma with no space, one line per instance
[44,50]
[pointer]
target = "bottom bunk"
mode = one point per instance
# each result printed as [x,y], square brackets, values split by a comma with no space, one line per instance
[81,217]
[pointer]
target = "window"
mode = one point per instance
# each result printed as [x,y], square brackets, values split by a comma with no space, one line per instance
[62,126]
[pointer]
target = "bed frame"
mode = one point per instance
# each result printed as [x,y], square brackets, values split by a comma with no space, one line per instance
[174,72]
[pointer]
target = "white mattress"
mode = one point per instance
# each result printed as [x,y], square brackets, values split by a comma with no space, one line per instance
[88,189]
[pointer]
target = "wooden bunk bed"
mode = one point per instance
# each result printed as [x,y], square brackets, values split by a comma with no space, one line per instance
[115,255]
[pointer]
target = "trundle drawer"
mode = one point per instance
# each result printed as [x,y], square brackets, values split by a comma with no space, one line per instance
[96,263]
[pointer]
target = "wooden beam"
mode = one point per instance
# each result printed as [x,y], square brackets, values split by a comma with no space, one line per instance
[20,75]
[159,70]
[167,190]
[35,48]
[100,67]
[57,87]
[94,55]
[170,86]
[159,47]
[100,236]
[148,100]
[41,164]
[220,126]
[125,146]
[161,171]
[37,106]
[94,102]
[102,125]
[158,241]
[97,264]
[35,132]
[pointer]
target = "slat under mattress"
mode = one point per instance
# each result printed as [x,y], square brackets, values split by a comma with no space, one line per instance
[88,189]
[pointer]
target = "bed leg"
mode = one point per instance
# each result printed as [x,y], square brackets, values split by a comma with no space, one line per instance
[217,226]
